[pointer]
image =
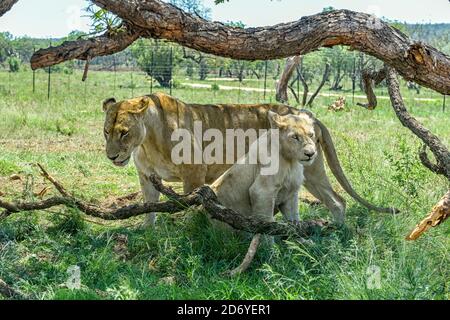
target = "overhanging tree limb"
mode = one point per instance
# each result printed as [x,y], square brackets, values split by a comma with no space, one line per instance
[108,43]
[415,61]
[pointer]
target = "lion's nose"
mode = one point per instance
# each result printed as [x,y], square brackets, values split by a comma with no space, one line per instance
[309,154]
[113,158]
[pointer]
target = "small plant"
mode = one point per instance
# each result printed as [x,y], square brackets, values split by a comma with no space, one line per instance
[215,87]
[408,172]
[14,64]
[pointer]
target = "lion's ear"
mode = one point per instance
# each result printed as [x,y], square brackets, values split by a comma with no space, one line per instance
[108,103]
[275,120]
[142,106]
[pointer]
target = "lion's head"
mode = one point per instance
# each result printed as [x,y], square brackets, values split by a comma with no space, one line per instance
[124,127]
[297,136]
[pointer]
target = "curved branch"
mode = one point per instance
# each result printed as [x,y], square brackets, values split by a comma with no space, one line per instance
[438,149]
[414,61]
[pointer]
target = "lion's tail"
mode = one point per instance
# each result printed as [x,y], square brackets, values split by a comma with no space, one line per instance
[335,166]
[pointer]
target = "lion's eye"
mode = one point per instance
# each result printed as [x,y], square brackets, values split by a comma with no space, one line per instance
[296,137]
[311,134]
[106,132]
[124,134]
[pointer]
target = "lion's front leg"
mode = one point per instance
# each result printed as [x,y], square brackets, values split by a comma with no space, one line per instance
[318,184]
[262,203]
[150,195]
[289,208]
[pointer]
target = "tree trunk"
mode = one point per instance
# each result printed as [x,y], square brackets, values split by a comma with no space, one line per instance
[370,79]
[305,86]
[326,74]
[155,19]
[6,5]
[282,85]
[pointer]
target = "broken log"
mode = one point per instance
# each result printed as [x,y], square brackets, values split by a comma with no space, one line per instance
[437,216]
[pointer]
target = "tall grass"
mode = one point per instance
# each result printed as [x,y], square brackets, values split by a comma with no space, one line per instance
[65,135]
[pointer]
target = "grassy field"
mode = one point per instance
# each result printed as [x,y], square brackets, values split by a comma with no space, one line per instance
[183,257]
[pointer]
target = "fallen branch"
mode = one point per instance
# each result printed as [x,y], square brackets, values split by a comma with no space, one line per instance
[156,19]
[437,216]
[10,293]
[248,257]
[203,197]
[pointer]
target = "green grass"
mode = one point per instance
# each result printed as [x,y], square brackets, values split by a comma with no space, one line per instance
[65,135]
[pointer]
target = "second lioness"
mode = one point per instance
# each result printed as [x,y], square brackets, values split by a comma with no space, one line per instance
[245,188]
[142,127]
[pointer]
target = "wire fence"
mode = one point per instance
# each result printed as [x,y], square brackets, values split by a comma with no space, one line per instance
[194,77]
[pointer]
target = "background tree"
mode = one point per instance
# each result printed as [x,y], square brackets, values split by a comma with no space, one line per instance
[156,59]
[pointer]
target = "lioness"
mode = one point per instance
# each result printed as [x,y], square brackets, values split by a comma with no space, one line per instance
[142,127]
[245,189]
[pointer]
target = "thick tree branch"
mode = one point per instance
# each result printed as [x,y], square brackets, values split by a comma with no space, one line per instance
[6,5]
[414,61]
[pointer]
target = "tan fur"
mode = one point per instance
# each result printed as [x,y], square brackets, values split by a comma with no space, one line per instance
[245,190]
[142,128]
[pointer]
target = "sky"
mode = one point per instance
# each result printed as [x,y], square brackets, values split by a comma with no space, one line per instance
[60,17]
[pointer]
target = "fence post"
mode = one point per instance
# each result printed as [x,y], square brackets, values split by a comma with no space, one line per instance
[152,70]
[115,74]
[443,104]
[49,78]
[354,79]
[171,67]
[132,84]
[265,80]
[34,74]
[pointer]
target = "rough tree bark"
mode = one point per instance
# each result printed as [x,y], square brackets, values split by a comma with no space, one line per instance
[6,5]
[415,61]
[283,83]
